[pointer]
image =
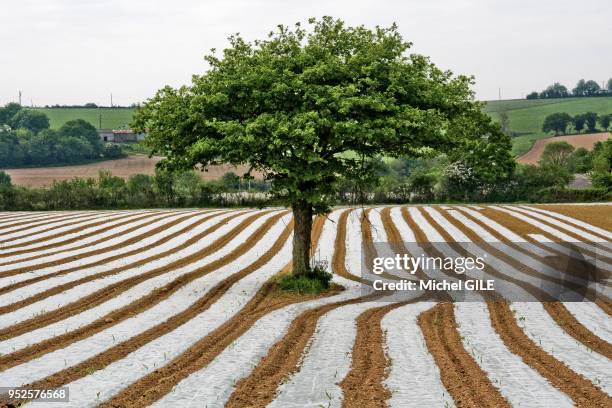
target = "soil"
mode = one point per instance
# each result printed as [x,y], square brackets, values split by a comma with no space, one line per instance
[587,141]
[124,168]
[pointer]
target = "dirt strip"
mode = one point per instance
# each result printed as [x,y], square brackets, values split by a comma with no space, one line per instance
[119,245]
[138,306]
[31,223]
[466,382]
[267,299]
[583,392]
[152,387]
[61,288]
[116,289]
[574,328]
[363,387]
[555,309]
[59,235]
[339,257]
[598,215]
[366,237]
[395,238]
[522,228]
[283,360]
[572,235]
[148,215]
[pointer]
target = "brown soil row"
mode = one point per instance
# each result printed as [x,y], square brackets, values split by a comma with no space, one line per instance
[598,215]
[153,386]
[364,384]
[30,222]
[466,382]
[395,238]
[83,255]
[339,257]
[136,307]
[149,215]
[573,235]
[366,237]
[522,228]
[583,392]
[76,219]
[259,388]
[553,238]
[78,229]
[555,309]
[116,289]
[536,353]
[574,328]
[60,288]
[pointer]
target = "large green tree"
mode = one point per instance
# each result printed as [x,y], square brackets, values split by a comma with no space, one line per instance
[310,107]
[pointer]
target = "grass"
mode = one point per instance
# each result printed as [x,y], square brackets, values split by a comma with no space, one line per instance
[313,283]
[526,116]
[112,118]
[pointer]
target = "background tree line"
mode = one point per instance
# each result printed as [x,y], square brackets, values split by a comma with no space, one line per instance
[438,178]
[582,88]
[27,140]
[559,122]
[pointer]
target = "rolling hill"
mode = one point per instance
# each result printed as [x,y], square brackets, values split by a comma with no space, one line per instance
[526,116]
[112,118]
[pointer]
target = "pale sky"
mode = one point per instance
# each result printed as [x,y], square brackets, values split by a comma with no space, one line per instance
[78,51]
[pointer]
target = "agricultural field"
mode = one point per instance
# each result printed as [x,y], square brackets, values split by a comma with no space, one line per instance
[126,167]
[180,308]
[526,116]
[586,141]
[112,118]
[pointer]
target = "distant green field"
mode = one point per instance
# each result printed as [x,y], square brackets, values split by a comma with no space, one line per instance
[527,116]
[112,118]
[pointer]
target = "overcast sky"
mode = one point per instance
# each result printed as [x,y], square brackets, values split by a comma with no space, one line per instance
[78,51]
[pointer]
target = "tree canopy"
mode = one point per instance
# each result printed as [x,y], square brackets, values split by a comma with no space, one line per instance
[309,107]
[556,122]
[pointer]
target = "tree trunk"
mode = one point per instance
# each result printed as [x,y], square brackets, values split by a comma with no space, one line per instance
[302,217]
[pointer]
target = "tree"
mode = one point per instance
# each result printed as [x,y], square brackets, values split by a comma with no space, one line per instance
[82,129]
[582,160]
[309,109]
[604,121]
[557,154]
[609,85]
[586,88]
[590,119]
[555,90]
[578,122]
[533,95]
[32,120]
[556,122]
[8,111]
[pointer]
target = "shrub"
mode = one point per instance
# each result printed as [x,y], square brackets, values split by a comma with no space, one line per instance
[559,194]
[315,281]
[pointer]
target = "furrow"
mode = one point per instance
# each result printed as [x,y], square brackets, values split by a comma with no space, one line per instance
[132,326]
[104,235]
[582,391]
[167,242]
[467,383]
[99,296]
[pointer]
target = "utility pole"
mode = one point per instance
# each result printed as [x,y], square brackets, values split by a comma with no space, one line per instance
[20,98]
[111,100]
[499,93]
